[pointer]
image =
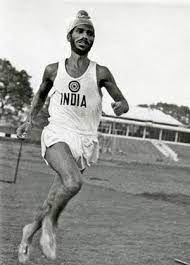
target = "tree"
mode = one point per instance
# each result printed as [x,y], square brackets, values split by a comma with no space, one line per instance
[15,91]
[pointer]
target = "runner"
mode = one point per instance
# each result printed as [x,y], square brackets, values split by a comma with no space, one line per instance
[69,142]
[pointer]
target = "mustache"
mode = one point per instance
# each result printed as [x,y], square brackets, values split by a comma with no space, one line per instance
[83,40]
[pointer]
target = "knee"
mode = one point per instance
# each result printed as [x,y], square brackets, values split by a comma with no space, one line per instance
[73,186]
[73,182]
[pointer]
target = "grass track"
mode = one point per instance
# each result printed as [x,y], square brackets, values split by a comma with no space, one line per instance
[124,215]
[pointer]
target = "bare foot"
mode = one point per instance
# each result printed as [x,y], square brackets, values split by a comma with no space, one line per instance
[24,247]
[48,240]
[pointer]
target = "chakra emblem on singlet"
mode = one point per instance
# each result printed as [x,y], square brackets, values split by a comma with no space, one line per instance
[74,86]
[74,98]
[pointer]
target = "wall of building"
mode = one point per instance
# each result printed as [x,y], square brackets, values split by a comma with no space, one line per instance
[144,130]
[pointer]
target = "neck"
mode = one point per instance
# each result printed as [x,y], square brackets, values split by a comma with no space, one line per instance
[78,59]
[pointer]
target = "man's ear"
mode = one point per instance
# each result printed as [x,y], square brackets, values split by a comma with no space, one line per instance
[69,36]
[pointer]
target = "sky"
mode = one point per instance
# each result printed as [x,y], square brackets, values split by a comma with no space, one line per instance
[144,43]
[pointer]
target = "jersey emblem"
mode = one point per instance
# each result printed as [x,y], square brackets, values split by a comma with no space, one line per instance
[74,86]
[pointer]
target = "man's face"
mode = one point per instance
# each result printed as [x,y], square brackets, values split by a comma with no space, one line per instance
[81,39]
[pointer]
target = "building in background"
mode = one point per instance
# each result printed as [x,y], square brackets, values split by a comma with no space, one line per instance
[145,124]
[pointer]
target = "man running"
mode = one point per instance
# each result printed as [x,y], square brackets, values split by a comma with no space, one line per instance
[69,142]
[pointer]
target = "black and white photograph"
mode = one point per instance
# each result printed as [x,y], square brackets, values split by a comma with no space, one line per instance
[95,132]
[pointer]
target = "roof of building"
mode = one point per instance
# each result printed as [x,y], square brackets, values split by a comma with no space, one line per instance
[148,115]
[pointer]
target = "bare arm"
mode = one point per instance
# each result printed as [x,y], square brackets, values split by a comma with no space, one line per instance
[106,79]
[39,99]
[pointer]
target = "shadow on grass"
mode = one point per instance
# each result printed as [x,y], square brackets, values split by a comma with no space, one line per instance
[177,198]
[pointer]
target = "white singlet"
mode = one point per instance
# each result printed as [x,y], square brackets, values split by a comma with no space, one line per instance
[75,110]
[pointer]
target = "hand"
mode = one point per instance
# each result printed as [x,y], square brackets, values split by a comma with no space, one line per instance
[120,107]
[24,129]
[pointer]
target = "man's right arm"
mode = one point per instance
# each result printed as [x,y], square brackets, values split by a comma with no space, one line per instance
[39,99]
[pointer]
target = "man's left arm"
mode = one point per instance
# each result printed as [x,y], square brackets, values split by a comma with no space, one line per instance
[106,79]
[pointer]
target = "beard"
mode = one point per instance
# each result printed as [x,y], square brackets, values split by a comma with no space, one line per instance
[78,51]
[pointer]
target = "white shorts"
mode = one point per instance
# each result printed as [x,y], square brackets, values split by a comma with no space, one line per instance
[84,147]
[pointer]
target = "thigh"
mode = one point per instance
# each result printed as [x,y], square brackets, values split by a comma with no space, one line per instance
[61,160]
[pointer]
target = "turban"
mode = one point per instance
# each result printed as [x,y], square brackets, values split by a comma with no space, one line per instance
[82,18]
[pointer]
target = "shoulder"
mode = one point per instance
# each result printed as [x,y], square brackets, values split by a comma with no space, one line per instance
[52,67]
[103,75]
[102,71]
[51,71]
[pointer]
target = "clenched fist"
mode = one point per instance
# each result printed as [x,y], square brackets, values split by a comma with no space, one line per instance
[120,107]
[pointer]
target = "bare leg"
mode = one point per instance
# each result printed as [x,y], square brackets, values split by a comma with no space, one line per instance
[33,227]
[61,160]
[65,186]
[30,229]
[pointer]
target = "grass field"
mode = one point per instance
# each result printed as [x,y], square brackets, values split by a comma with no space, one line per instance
[125,214]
